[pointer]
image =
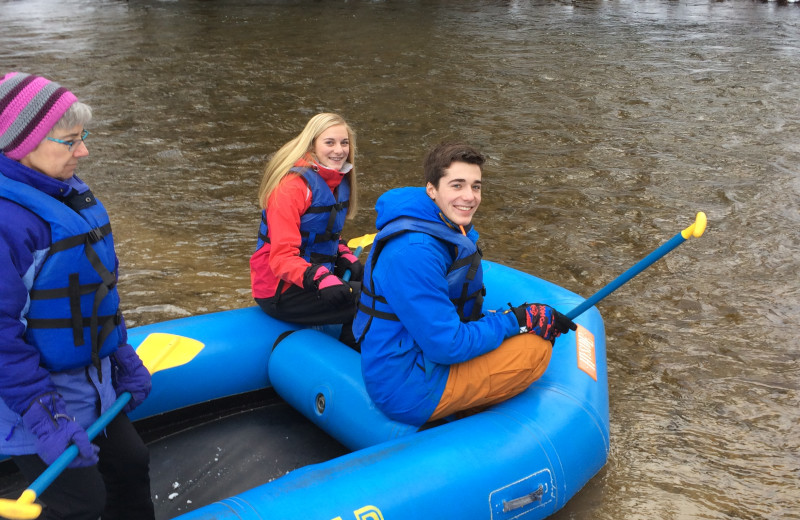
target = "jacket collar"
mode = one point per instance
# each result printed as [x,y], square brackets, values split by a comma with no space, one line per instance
[17,171]
[331,177]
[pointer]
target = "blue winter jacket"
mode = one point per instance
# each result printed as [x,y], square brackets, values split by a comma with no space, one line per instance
[24,243]
[405,363]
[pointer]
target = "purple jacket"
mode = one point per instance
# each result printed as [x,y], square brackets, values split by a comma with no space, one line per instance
[24,243]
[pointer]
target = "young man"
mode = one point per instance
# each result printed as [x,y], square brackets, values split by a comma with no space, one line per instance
[63,342]
[427,349]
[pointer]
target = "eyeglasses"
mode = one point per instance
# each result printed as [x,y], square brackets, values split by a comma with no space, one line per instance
[70,144]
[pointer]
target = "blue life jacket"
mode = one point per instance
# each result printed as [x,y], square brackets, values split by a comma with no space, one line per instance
[74,318]
[464,276]
[321,225]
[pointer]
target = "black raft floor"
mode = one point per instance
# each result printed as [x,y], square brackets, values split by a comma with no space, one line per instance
[217,450]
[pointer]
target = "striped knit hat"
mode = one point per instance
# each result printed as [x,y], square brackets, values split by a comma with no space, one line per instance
[30,106]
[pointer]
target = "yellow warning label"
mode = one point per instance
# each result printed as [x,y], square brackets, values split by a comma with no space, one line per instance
[368,513]
[586,357]
[365,513]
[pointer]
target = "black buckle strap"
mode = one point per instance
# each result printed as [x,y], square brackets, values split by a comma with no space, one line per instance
[327,209]
[65,323]
[376,313]
[109,281]
[473,260]
[63,292]
[324,237]
[264,236]
[381,299]
[319,258]
[96,235]
[75,309]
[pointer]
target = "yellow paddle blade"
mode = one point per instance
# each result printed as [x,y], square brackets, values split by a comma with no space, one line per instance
[160,351]
[697,228]
[361,242]
[23,508]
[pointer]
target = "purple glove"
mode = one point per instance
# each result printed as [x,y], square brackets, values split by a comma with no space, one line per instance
[330,288]
[130,375]
[55,431]
[543,320]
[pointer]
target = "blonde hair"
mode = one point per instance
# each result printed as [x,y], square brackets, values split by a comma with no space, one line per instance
[279,165]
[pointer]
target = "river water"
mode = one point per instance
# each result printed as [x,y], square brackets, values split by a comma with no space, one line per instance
[608,125]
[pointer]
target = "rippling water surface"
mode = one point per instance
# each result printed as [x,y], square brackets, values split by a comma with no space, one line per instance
[608,125]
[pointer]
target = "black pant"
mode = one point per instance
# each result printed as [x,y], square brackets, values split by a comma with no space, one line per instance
[117,488]
[301,306]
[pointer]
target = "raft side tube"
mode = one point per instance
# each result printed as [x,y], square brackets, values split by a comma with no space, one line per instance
[321,378]
[564,374]
[497,464]
[234,361]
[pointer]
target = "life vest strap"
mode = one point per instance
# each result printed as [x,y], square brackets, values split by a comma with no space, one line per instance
[376,313]
[372,311]
[64,292]
[93,236]
[366,290]
[63,323]
[319,258]
[333,208]
[74,295]
[317,238]
[473,260]
[109,280]
[322,237]
[476,307]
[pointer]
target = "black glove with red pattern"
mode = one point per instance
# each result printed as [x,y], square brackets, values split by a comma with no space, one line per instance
[543,320]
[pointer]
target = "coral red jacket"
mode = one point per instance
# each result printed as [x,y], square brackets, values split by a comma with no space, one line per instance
[280,259]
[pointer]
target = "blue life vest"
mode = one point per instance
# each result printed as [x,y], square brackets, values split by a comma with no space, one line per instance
[322,224]
[73,318]
[464,276]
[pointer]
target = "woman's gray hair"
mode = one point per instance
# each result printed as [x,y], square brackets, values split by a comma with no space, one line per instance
[78,114]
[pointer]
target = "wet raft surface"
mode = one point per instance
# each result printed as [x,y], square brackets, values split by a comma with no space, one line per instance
[219,454]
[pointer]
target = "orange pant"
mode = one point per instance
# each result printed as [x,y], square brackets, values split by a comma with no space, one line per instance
[495,376]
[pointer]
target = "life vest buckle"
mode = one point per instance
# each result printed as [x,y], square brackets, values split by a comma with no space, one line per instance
[95,235]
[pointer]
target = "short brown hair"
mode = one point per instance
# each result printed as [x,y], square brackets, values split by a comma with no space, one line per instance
[443,155]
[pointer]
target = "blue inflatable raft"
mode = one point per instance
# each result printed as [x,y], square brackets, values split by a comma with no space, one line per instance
[524,458]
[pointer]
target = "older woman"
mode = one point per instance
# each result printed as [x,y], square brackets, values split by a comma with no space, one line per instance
[63,343]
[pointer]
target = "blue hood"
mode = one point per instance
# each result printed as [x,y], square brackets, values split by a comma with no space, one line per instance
[405,202]
[412,202]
